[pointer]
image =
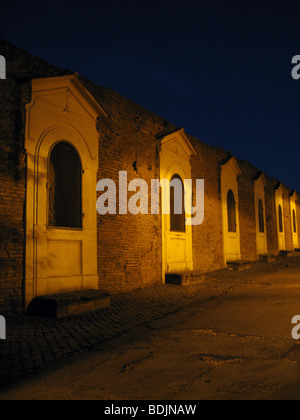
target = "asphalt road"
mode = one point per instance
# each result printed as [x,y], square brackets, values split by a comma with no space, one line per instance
[237,346]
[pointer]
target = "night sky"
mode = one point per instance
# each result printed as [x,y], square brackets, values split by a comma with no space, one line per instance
[221,70]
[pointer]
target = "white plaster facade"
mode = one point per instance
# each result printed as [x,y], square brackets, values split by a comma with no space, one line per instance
[177,250]
[229,181]
[280,218]
[259,195]
[60,259]
[293,207]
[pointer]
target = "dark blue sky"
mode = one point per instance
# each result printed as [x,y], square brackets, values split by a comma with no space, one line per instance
[220,69]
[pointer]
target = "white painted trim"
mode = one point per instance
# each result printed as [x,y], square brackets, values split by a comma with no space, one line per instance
[259,194]
[175,155]
[279,202]
[47,123]
[231,241]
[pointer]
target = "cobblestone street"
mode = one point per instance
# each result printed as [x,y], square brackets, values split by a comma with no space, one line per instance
[34,343]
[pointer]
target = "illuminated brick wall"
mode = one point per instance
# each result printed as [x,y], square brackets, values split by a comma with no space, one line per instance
[129,247]
[271,220]
[208,237]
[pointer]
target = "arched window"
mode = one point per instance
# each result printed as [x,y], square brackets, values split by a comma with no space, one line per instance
[64,187]
[261,218]
[231,211]
[294,222]
[280,217]
[177,212]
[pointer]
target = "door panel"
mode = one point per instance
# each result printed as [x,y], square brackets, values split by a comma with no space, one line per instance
[233,247]
[64,258]
[177,250]
[261,244]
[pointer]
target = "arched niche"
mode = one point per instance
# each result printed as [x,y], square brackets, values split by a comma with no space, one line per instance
[62,256]
[230,210]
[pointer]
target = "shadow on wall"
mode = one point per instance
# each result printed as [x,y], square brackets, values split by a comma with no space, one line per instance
[9,235]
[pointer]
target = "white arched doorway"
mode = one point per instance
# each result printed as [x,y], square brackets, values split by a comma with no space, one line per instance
[293,205]
[62,163]
[177,251]
[260,216]
[280,218]
[230,210]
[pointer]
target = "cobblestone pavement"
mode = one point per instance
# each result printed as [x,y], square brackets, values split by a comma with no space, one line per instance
[33,343]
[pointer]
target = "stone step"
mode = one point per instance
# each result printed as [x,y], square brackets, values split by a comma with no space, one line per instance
[267,258]
[185,278]
[289,254]
[239,265]
[294,254]
[67,304]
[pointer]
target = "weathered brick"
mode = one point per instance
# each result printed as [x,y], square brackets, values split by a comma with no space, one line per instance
[129,247]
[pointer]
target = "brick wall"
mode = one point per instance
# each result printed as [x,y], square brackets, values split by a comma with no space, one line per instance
[247,219]
[208,247]
[271,220]
[129,247]
[287,220]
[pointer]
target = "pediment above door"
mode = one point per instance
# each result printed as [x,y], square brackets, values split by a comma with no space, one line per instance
[62,100]
[178,144]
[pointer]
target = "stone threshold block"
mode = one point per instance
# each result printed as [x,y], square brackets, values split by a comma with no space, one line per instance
[289,253]
[267,258]
[185,278]
[67,304]
[239,265]
[294,254]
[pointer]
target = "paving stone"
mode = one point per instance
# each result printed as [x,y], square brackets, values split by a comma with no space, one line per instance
[33,343]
